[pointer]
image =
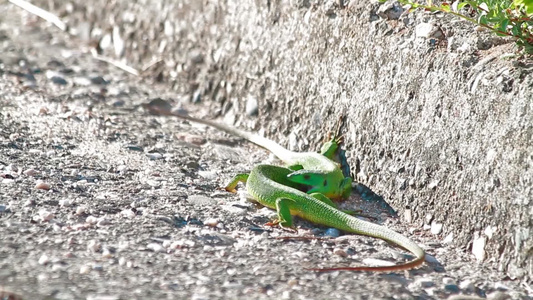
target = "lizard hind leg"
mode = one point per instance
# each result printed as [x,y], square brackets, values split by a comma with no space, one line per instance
[284,212]
[230,187]
[323,198]
[346,187]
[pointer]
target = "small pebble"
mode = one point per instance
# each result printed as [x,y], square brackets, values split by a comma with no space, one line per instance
[501,287]
[156,247]
[91,220]
[42,186]
[43,277]
[81,81]
[58,267]
[94,246]
[77,227]
[98,267]
[286,295]
[478,247]
[292,282]
[98,80]
[56,77]
[212,222]
[35,152]
[433,184]
[332,232]
[44,259]
[231,271]
[424,30]
[467,286]
[430,259]
[80,210]
[452,288]
[182,244]
[65,202]
[408,216]
[251,106]
[8,181]
[436,228]
[423,283]
[122,169]
[103,221]
[127,213]
[30,172]
[489,231]
[46,215]
[155,156]
[428,218]
[121,261]
[106,253]
[85,270]
[340,252]
[448,239]
[448,280]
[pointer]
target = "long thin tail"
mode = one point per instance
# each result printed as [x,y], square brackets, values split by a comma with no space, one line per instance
[260,141]
[384,233]
[410,265]
[161,107]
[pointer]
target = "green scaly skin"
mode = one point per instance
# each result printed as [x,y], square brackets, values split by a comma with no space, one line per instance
[317,171]
[267,184]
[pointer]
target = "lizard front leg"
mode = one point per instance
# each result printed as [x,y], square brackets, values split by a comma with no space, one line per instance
[230,187]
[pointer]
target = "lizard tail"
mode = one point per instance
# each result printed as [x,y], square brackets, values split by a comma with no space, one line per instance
[358,226]
[410,265]
[260,141]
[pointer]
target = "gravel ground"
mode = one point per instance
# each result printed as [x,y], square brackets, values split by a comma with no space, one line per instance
[100,200]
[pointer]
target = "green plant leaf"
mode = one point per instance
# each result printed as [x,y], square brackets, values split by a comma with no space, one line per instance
[515,30]
[504,24]
[528,4]
[461,5]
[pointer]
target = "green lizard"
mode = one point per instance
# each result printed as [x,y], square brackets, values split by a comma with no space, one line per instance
[276,187]
[316,171]
[267,184]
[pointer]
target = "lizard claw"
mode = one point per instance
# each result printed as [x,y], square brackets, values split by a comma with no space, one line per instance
[227,189]
[276,223]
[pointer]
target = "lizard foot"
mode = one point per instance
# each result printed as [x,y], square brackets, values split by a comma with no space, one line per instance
[276,223]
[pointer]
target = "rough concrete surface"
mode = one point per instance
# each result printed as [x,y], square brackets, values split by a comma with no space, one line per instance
[439,124]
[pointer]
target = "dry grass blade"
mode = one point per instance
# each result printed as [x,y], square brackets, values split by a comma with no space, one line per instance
[40,13]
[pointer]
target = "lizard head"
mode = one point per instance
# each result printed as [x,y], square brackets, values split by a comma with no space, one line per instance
[331,185]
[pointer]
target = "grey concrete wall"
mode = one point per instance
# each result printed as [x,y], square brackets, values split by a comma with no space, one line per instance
[439,121]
